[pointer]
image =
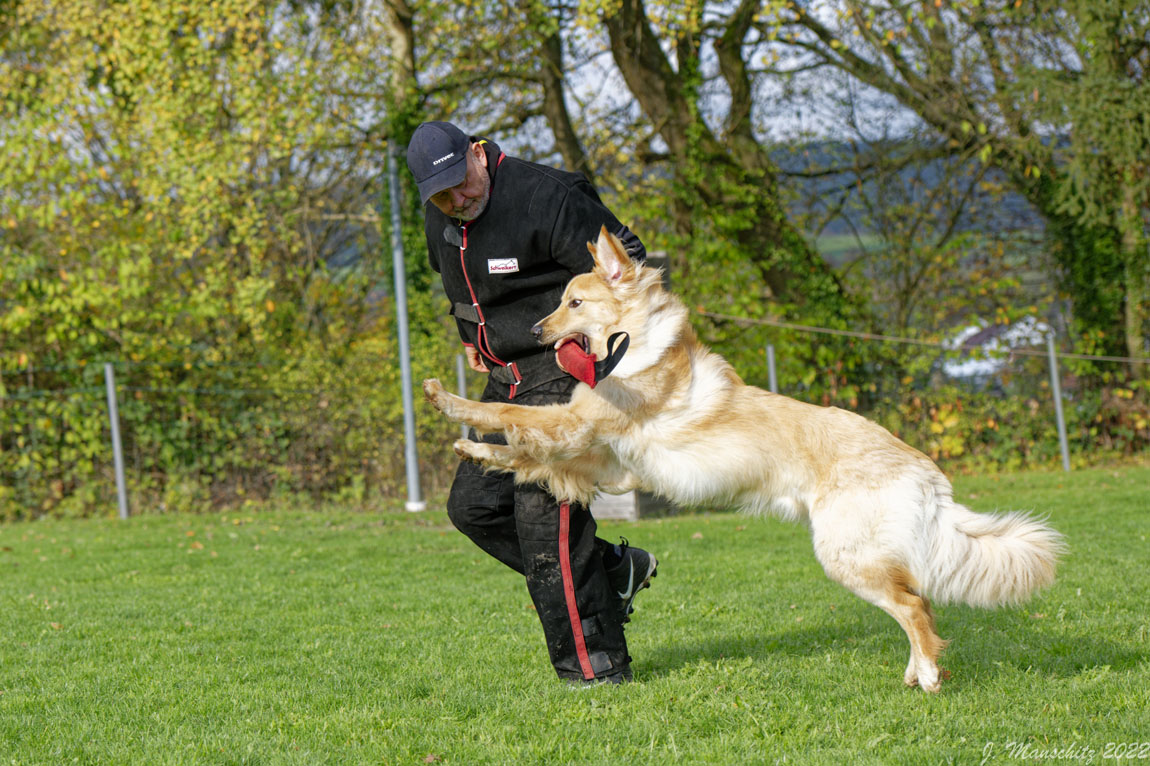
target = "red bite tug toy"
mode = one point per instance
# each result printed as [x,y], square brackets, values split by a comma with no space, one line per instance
[577,362]
[583,365]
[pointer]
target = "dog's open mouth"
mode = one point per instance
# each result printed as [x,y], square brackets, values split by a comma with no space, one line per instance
[573,355]
[577,338]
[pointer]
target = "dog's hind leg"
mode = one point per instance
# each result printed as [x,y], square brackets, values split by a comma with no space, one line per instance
[861,550]
[853,556]
[913,612]
[891,588]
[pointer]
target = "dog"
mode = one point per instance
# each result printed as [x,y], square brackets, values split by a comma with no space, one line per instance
[675,419]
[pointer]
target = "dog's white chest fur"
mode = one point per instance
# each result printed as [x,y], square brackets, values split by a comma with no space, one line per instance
[687,452]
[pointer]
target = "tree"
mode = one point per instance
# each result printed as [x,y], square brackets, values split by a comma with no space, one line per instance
[1105,113]
[190,190]
[191,176]
[1000,80]
[502,72]
[725,182]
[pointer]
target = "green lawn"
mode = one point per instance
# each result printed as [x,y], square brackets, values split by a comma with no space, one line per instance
[343,637]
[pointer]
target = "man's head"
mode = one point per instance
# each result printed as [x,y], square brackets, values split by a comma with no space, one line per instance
[450,170]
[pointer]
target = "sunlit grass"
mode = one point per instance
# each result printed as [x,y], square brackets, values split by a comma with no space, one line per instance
[338,637]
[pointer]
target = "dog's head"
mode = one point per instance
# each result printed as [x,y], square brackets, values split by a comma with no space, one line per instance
[594,304]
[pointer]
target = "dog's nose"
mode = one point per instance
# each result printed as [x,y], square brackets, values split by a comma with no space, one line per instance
[537,331]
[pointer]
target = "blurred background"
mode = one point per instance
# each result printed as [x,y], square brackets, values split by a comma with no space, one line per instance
[904,200]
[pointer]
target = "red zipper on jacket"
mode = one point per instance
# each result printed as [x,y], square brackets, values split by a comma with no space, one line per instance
[481,339]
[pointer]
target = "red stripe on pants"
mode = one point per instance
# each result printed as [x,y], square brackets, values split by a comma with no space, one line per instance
[569,590]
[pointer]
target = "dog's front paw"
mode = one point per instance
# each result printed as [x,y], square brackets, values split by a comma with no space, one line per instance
[439,398]
[434,392]
[452,407]
[468,450]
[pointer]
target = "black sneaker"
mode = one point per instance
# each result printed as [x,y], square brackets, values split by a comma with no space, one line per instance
[632,574]
[618,677]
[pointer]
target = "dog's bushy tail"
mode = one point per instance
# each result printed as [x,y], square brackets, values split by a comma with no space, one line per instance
[989,560]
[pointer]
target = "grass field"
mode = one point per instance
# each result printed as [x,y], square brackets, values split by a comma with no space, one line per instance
[342,637]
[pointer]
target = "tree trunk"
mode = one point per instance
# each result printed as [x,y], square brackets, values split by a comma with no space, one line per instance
[734,187]
[554,95]
[1134,253]
[398,27]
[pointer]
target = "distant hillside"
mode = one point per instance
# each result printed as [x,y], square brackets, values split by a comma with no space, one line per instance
[1005,212]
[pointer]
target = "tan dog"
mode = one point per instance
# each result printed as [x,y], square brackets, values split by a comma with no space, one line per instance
[675,419]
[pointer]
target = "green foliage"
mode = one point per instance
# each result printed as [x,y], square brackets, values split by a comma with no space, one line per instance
[1090,268]
[1103,186]
[1104,105]
[220,435]
[184,186]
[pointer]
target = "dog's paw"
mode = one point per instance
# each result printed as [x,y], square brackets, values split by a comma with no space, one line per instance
[473,452]
[928,677]
[433,391]
[463,448]
[935,683]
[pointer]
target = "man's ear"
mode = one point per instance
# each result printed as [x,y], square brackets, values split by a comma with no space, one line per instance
[480,155]
[611,261]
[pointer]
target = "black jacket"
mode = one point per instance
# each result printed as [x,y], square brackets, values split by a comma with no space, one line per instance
[506,270]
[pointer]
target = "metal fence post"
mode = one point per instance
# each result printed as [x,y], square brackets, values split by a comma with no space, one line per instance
[461,379]
[1056,388]
[772,380]
[117,448]
[414,501]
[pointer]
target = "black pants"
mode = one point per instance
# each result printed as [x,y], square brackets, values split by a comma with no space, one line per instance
[553,545]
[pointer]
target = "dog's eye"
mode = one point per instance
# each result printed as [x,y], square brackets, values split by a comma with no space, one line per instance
[574,303]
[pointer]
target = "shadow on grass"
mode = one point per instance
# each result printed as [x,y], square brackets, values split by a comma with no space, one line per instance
[982,644]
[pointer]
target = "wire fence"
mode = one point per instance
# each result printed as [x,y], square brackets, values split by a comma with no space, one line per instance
[918,341]
[195,435]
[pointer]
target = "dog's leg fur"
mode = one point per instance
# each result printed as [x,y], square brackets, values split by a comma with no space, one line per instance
[497,457]
[860,558]
[549,432]
[575,480]
[891,589]
[546,444]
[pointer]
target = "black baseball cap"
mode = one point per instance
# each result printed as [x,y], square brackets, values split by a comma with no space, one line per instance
[437,157]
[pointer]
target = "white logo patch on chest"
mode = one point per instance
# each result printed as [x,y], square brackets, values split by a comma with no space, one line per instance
[502,265]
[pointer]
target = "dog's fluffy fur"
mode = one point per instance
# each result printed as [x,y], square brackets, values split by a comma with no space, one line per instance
[675,419]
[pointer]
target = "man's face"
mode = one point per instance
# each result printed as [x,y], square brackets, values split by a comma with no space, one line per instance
[467,200]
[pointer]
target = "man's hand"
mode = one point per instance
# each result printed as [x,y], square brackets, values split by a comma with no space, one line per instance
[474,360]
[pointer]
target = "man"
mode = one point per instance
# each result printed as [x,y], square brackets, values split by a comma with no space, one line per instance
[506,236]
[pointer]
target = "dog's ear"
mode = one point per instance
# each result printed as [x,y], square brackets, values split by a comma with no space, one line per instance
[610,259]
